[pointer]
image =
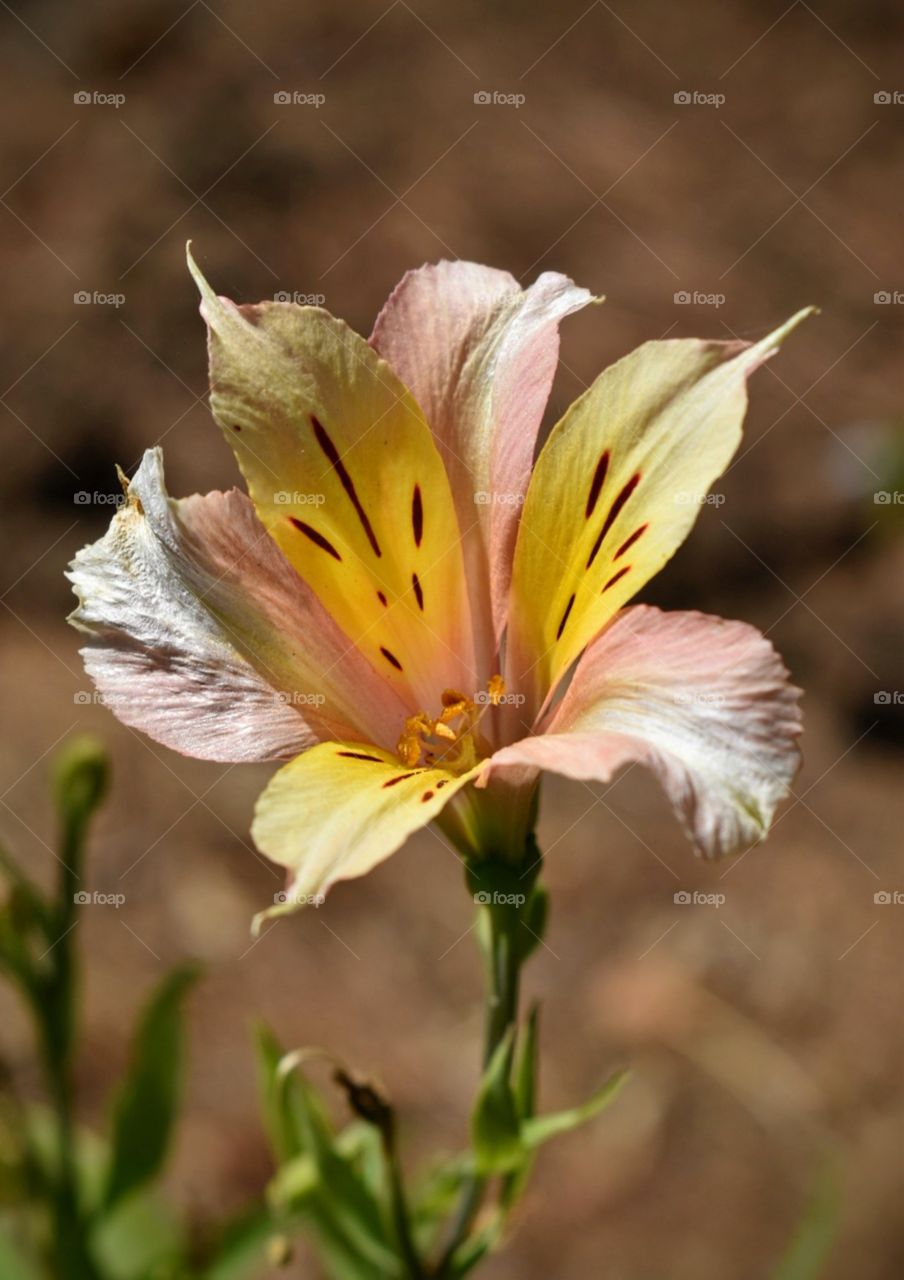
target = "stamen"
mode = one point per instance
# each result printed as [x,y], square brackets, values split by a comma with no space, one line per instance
[496,690]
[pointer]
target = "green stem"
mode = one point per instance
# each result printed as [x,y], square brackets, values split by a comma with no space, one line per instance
[70,1252]
[504,954]
[399,1204]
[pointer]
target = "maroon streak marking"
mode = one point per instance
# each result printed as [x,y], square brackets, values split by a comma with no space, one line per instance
[596,484]
[400,778]
[346,481]
[629,542]
[568,609]
[615,577]
[359,755]
[317,538]
[391,658]
[418,591]
[614,512]
[417,515]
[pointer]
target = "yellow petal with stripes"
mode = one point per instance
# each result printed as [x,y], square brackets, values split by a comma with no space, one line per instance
[616,491]
[345,476]
[336,811]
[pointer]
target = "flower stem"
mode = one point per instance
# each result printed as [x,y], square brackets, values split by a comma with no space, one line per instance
[504,952]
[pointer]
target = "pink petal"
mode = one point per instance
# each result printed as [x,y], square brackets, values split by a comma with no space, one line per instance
[203,636]
[479,353]
[704,703]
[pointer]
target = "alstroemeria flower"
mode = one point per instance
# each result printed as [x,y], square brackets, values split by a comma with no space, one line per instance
[397,604]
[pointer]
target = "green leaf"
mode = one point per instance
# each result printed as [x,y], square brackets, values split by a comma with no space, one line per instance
[539,1129]
[139,1237]
[495,1129]
[145,1108]
[276,1096]
[322,1175]
[240,1251]
[525,1089]
[14,1262]
[525,1076]
[476,1247]
[812,1242]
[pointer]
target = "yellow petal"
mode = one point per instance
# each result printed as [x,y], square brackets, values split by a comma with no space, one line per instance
[616,491]
[345,476]
[337,810]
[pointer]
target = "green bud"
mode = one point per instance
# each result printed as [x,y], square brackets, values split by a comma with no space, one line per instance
[80,775]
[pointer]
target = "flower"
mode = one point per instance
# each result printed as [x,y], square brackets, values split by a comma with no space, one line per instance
[396,605]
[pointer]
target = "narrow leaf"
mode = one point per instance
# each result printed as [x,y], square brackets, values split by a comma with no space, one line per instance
[812,1242]
[539,1129]
[145,1108]
[494,1124]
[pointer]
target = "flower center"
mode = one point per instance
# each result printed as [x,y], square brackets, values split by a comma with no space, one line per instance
[449,739]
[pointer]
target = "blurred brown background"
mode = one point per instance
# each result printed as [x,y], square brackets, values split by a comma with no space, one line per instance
[756,1028]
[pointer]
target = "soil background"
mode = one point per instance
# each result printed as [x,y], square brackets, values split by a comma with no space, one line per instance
[760,1031]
